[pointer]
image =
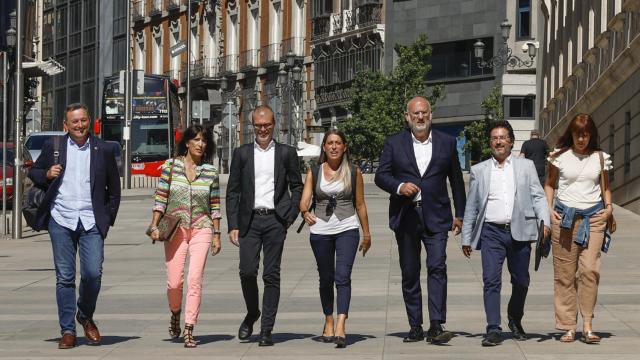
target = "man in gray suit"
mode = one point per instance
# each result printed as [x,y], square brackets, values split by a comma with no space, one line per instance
[504,204]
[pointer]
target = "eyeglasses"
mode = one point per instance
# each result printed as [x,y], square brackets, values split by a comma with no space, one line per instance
[333,202]
[418,113]
[501,138]
[262,126]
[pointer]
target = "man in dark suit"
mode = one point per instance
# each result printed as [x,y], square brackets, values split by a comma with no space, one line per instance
[263,196]
[414,167]
[81,202]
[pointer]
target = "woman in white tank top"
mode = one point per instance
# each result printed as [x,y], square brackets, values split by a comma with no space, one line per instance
[338,212]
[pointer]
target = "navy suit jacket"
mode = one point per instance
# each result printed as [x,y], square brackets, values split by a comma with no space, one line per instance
[398,165]
[105,181]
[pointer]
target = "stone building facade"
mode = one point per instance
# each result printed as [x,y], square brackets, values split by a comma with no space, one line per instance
[590,64]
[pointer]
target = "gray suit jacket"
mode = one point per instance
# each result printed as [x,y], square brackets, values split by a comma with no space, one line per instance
[530,204]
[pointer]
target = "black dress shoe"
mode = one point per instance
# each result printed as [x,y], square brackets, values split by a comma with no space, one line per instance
[246,328]
[415,334]
[517,330]
[265,338]
[437,335]
[492,339]
[340,342]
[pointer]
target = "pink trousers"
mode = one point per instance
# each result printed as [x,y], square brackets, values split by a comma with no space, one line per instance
[195,242]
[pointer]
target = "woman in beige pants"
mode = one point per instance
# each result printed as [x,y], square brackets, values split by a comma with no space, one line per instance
[578,222]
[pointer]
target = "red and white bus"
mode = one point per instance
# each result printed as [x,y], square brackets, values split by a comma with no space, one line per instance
[155,125]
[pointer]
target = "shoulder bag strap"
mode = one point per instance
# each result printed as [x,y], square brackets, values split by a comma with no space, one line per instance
[602,183]
[56,149]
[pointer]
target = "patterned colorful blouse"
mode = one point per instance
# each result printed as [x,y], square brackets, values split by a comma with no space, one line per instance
[197,202]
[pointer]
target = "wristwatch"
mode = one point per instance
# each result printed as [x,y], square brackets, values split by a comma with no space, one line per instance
[216,232]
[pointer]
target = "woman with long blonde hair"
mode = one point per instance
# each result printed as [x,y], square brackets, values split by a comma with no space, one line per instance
[334,191]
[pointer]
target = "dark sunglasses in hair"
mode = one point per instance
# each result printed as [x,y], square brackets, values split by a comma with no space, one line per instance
[333,202]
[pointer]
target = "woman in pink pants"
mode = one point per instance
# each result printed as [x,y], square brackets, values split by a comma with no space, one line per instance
[189,189]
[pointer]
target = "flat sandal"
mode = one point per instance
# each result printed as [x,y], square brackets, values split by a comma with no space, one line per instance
[568,337]
[589,337]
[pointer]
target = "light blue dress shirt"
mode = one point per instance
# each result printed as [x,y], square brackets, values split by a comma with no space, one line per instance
[73,201]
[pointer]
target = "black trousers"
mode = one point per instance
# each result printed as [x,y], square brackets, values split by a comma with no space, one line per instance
[266,233]
[412,236]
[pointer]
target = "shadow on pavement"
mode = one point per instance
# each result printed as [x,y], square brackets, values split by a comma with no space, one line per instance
[284,337]
[206,339]
[106,340]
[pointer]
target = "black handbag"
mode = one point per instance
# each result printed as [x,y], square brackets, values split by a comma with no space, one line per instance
[33,199]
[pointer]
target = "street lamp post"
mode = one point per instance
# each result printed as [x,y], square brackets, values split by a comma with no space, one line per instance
[19,95]
[4,142]
[290,79]
[231,121]
[504,57]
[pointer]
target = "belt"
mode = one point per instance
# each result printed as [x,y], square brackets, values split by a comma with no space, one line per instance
[263,212]
[505,227]
[417,203]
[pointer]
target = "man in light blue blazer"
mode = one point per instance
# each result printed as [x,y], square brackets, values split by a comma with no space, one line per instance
[505,203]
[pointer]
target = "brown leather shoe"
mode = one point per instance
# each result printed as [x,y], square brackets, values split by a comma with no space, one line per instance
[68,341]
[90,330]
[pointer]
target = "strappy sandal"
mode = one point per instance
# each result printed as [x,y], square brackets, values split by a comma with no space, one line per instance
[589,337]
[174,325]
[569,336]
[189,341]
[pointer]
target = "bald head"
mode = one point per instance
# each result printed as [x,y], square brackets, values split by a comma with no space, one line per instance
[262,112]
[263,123]
[418,99]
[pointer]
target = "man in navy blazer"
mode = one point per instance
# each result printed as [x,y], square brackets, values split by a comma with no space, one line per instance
[414,167]
[81,177]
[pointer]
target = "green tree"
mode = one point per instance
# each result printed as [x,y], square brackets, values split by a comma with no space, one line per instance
[378,101]
[476,132]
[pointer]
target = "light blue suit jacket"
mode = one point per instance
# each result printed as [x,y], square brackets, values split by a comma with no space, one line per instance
[530,204]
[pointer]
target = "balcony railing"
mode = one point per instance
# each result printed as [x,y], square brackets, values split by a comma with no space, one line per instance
[204,68]
[294,44]
[370,14]
[229,64]
[321,26]
[249,59]
[270,54]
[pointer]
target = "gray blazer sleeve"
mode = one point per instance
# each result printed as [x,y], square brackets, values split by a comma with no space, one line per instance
[540,205]
[471,209]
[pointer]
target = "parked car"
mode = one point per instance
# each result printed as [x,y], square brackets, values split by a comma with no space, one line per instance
[26,184]
[37,139]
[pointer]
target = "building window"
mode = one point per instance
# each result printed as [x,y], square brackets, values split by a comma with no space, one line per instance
[627,143]
[322,7]
[524,19]
[519,107]
[75,25]
[612,148]
[455,60]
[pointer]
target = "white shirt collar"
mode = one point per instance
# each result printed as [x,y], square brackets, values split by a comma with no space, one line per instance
[507,161]
[426,142]
[257,146]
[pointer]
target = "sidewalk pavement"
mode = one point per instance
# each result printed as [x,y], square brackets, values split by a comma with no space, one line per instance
[133,317]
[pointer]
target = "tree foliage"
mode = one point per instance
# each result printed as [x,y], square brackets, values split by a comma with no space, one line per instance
[378,101]
[476,132]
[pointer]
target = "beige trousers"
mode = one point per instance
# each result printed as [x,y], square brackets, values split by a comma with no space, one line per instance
[576,271]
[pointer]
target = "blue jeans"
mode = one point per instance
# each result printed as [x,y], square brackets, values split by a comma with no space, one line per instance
[498,245]
[65,245]
[335,255]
